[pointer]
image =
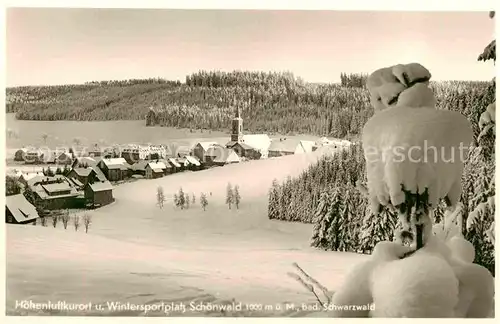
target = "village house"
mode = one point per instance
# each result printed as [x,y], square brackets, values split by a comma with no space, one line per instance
[245,151]
[25,177]
[57,195]
[133,153]
[201,149]
[249,146]
[115,169]
[309,146]
[84,175]
[168,166]
[95,151]
[213,153]
[139,168]
[64,158]
[284,147]
[85,161]
[226,156]
[155,170]
[33,156]
[174,164]
[98,194]
[184,163]
[193,162]
[18,210]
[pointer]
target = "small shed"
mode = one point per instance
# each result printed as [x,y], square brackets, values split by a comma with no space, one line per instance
[18,210]
[98,194]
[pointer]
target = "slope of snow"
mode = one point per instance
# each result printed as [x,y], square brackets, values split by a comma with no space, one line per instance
[138,252]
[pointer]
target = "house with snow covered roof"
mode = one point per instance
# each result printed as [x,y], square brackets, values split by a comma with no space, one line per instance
[201,149]
[115,169]
[156,169]
[226,156]
[57,195]
[98,194]
[87,174]
[282,147]
[18,210]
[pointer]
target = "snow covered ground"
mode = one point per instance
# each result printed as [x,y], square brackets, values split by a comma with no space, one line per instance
[136,252]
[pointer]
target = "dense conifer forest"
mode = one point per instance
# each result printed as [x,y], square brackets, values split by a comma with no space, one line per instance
[272,102]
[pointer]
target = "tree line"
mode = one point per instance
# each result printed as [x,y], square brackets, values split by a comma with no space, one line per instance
[327,195]
[270,102]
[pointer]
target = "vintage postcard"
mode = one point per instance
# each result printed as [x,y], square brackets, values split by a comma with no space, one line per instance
[168,162]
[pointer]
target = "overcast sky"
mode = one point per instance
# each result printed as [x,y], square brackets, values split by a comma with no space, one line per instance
[60,46]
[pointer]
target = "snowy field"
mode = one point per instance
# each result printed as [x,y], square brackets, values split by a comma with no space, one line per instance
[136,252]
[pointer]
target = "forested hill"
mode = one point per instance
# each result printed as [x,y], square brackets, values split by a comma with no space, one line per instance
[270,102]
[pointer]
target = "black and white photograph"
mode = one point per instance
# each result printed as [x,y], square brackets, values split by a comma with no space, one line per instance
[232,162]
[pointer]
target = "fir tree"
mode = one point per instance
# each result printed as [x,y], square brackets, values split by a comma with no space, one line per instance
[176,200]
[376,228]
[229,195]
[160,197]
[237,196]
[12,186]
[203,201]
[30,195]
[181,199]
[273,198]
[325,232]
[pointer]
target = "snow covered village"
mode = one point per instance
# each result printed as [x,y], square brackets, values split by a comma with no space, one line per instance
[272,175]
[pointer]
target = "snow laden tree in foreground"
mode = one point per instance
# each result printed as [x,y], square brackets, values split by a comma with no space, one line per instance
[414,159]
[414,153]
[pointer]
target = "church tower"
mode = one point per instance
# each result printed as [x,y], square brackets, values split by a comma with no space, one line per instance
[237,127]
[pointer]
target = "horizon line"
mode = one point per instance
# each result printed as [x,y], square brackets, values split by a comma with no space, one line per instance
[184,81]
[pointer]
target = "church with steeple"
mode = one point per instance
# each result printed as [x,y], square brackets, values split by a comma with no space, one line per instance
[253,146]
[237,127]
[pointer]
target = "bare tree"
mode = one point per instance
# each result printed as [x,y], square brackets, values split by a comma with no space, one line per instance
[87,220]
[193,199]
[65,218]
[45,137]
[76,222]
[160,197]
[203,201]
[43,221]
[55,219]
[188,201]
